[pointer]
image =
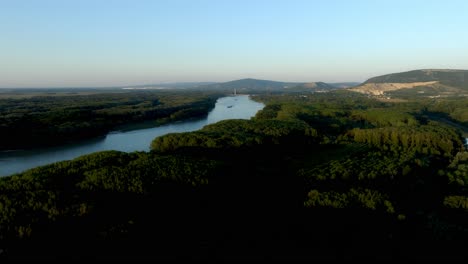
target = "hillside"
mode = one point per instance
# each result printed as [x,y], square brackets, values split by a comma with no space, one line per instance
[316,86]
[254,84]
[344,84]
[455,78]
[417,83]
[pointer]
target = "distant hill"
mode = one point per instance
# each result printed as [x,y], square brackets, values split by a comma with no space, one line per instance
[252,84]
[315,86]
[345,84]
[176,85]
[255,85]
[248,85]
[430,82]
[454,78]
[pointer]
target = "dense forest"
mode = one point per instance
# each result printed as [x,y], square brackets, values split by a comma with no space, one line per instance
[329,176]
[51,119]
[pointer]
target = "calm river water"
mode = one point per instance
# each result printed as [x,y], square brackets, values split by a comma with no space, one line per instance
[231,107]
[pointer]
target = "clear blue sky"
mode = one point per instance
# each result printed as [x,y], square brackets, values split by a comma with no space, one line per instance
[103,43]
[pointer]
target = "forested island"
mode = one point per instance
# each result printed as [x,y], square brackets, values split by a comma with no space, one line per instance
[313,176]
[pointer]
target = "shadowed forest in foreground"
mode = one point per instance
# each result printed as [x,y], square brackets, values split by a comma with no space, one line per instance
[329,176]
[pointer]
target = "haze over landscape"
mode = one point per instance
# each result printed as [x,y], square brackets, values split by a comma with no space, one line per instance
[117,43]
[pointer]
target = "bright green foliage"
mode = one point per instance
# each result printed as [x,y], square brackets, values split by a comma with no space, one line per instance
[457,171]
[427,139]
[270,111]
[456,202]
[354,197]
[383,117]
[454,108]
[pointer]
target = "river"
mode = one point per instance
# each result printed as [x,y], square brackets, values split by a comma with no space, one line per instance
[230,107]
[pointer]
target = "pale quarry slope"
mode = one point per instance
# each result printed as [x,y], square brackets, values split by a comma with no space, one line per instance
[381,88]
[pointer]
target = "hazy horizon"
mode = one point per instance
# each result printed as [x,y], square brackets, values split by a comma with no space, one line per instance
[54,44]
[160,83]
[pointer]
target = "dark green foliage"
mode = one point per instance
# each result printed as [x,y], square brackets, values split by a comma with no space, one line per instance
[322,176]
[60,190]
[238,133]
[364,167]
[39,121]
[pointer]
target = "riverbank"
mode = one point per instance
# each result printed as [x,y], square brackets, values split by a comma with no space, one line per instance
[43,121]
[127,141]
